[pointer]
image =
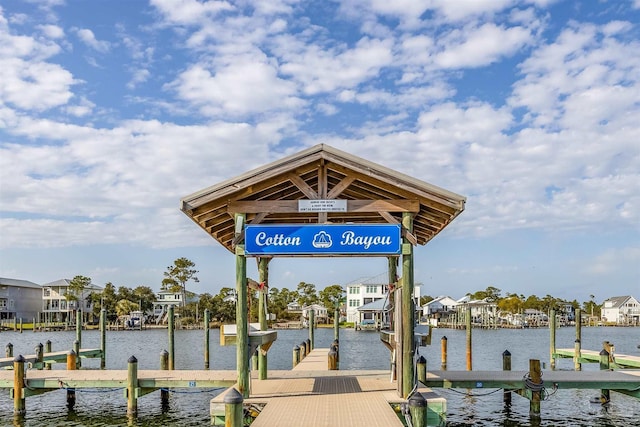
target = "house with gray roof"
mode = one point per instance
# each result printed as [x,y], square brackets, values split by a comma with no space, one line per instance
[19,299]
[55,305]
[622,310]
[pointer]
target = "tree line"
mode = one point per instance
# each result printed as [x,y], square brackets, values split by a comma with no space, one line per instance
[122,300]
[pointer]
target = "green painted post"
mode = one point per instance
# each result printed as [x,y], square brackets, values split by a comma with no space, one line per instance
[132,386]
[408,329]
[103,338]
[336,344]
[233,408]
[79,326]
[8,350]
[418,410]
[303,350]
[242,327]
[577,355]
[605,395]
[392,267]
[263,276]
[336,324]
[421,366]
[467,319]
[312,325]
[171,327]
[206,338]
[296,356]
[34,324]
[19,401]
[21,325]
[506,366]
[76,349]
[164,366]
[47,349]
[39,356]
[552,340]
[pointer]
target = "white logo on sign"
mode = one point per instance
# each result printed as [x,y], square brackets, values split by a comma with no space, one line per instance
[322,240]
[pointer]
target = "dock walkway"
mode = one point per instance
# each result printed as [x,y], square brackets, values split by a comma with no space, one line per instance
[311,395]
[591,356]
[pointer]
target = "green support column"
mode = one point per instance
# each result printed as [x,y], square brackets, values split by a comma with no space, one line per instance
[408,329]
[79,335]
[552,343]
[242,328]
[393,278]
[103,338]
[312,324]
[206,338]
[171,328]
[263,277]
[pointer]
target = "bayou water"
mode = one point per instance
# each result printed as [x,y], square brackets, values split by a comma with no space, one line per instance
[358,350]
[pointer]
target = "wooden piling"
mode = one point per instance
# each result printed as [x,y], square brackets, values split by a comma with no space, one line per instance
[468,327]
[296,356]
[312,326]
[421,368]
[336,324]
[418,410]
[263,276]
[576,360]
[332,362]
[242,326]
[164,366]
[19,399]
[47,349]
[8,350]
[21,325]
[103,338]
[336,344]
[576,357]
[206,338]
[552,338]
[71,366]
[605,395]
[79,326]
[76,349]
[39,356]
[506,366]
[535,384]
[233,408]
[303,350]
[406,305]
[443,353]
[132,386]
[171,330]
[308,346]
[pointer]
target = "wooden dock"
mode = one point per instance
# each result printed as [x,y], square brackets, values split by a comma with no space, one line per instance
[591,356]
[49,358]
[311,395]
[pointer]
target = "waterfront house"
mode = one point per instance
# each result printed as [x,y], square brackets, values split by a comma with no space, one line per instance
[19,299]
[57,306]
[161,305]
[622,310]
[482,311]
[374,315]
[364,291]
[441,304]
[320,314]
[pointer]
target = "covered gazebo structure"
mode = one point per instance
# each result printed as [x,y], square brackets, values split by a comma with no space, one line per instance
[322,190]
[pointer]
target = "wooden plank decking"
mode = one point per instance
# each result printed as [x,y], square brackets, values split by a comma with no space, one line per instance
[311,395]
[592,356]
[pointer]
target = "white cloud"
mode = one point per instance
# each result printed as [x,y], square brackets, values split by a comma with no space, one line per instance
[481,46]
[52,31]
[190,12]
[88,38]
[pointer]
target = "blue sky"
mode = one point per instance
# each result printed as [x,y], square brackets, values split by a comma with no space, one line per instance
[112,111]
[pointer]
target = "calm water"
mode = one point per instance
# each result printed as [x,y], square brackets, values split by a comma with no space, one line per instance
[358,350]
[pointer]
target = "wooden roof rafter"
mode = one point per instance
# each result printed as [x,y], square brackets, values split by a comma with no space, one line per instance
[270,195]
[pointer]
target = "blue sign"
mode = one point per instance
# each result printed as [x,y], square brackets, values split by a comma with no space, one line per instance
[347,239]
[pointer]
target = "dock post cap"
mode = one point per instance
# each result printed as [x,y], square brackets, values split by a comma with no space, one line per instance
[132,359]
[506,353]
[233,397]
[163,352]
[19,358]
[72,351]
[417,400]
[421,359]
[604,352]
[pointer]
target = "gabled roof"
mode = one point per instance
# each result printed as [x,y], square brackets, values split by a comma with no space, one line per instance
[269,194]
[19,283]
[67,282]
[617,302]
